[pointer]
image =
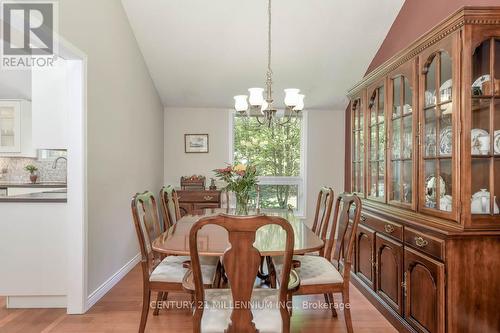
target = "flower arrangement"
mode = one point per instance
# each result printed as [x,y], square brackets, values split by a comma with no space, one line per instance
[240,179]
[32,170]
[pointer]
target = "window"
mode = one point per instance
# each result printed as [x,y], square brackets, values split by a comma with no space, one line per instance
[278,154]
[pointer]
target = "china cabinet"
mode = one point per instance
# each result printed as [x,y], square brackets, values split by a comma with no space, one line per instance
[425,158]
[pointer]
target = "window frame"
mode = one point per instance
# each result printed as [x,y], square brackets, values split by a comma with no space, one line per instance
[300,180]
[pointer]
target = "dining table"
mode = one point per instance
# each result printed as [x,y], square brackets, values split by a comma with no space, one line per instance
[213,239]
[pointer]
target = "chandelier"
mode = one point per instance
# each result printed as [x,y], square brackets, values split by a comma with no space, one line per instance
[250,105]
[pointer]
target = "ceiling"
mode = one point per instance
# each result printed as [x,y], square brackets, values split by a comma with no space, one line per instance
[200,53]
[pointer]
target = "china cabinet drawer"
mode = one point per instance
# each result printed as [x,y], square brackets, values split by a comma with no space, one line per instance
[383,226]
[425,243]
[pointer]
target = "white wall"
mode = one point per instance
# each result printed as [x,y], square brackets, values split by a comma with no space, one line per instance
[124,131]
[325,147]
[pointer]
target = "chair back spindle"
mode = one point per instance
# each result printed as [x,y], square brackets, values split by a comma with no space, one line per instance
[169,206]
[241,263]
[341,249]
[323,212]
[147,225]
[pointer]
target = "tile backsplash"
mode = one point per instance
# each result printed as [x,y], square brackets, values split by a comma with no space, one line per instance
[12,170]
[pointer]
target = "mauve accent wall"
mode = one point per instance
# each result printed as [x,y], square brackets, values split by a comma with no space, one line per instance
[415,18]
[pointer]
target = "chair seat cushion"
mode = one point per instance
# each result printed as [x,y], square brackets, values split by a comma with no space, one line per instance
[172,269]
[265,310]
[313,270]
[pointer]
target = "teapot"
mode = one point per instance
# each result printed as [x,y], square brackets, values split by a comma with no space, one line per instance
[480,203]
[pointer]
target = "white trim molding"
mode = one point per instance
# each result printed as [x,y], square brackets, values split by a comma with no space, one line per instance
[97,294]
[35,302]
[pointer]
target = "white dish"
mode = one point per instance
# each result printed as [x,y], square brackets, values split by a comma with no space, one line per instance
[480,203]
[445,140]
[496,142]
[479,146]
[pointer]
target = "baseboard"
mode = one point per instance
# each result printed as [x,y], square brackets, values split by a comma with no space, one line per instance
[35,302]
[97,294]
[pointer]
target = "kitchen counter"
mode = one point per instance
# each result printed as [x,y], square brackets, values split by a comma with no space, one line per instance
[47,196]
[47,184]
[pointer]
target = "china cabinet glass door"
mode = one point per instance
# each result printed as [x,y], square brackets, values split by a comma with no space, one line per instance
[485,128]
[401,142]
[376,151]
[357,147]
[436,135]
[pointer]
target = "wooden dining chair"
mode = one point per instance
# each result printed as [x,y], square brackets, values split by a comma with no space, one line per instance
[160,274]
[330,272]
[320,226]
[323,212]
[169,206]
[214,311]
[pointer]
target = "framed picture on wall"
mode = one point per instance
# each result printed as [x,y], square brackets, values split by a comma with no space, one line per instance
[196,143]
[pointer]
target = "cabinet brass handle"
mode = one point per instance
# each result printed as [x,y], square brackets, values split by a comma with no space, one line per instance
[420,242]
[208,197]
[389,228]
[403,284]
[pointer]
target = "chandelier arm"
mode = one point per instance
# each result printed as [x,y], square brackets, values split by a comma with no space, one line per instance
[258,120]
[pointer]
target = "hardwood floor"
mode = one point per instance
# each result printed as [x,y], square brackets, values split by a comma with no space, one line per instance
[119,311]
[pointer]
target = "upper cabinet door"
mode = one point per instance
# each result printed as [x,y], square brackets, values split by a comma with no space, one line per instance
[10,126]
[482,135]
[376,141]
[358,147]
[402,123]
[439,129]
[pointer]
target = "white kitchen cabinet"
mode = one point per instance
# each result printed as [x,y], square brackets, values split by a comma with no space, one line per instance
[50,106]
[15,129]
[10,127]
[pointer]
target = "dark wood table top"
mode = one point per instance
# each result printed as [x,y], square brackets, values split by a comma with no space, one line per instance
[212,239]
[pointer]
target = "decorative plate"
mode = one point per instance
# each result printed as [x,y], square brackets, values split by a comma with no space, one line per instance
[480,80]
[478,146]
[430,188]
[496,142]
[445,140]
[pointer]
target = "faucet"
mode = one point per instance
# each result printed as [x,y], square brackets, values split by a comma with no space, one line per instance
[55,166]
[57,160]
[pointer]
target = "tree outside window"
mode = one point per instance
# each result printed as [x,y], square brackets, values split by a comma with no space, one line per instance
[276,152]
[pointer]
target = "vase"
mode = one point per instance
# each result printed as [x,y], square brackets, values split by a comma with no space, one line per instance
[242,199]
[33,178]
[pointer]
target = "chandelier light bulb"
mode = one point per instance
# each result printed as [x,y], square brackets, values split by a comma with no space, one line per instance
[256,96]
[264,107]
[240,103]
[291,97]
[300,103]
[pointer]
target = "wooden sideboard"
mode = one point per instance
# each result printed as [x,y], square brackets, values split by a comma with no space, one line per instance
[427,250]
[193,202]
